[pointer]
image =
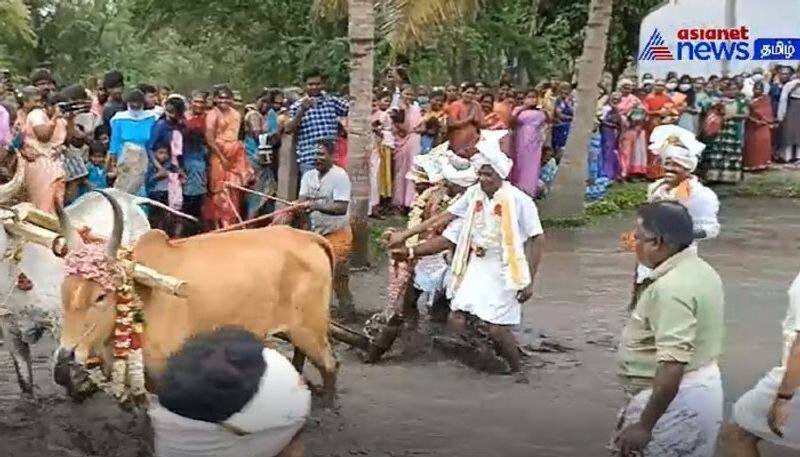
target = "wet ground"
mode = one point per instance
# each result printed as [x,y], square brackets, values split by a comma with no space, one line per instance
[433,407]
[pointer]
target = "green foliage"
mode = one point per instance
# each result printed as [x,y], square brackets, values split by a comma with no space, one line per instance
[777,185]
[623,44]
[620,198]
[254,43]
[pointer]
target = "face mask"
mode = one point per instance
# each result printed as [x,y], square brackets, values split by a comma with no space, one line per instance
[758,77]
[671,86]
[685,87]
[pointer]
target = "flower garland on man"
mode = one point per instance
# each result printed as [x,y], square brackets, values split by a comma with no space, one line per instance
[437,181]
[497,236]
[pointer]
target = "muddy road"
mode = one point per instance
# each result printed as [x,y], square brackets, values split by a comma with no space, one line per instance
[424,405]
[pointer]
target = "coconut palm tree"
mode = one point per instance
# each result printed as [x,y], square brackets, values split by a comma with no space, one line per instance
[569,190]
[403,23]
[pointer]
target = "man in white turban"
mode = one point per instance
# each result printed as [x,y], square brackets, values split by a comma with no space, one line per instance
[497,236]
[679,151]
[439,177]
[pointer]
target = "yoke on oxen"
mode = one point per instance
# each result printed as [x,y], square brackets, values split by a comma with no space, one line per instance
[25,225]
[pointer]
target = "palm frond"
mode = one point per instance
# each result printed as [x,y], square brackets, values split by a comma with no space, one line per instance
[16,20]
[405,22]
[408,22]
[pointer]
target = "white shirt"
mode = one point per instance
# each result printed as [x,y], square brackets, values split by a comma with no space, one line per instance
[333,187]
[791,324]
[527,217]
[703,205]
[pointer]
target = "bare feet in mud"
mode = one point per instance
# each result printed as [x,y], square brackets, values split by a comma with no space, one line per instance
[520,377]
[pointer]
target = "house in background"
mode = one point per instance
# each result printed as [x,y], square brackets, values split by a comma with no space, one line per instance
[764,19]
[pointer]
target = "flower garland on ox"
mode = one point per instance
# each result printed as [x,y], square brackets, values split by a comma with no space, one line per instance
[127,381]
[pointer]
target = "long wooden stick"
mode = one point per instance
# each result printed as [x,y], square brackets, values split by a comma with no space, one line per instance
[260,194]
[258,219]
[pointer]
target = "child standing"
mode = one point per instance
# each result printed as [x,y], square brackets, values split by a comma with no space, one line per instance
[157,185]
[381,163]
[98,172]
[548,172]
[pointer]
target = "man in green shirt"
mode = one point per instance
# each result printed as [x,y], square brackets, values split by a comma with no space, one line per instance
[671,344]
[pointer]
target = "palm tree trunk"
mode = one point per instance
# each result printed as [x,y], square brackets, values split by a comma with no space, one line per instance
[361,33]
[569,190]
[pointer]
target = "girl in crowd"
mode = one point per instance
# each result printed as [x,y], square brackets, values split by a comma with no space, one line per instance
[528,121]
[407,146]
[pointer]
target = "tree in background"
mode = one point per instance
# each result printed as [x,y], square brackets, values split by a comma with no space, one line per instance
[566,198]
[16,30]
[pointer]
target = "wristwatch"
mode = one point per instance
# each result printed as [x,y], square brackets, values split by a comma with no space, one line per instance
[783,396]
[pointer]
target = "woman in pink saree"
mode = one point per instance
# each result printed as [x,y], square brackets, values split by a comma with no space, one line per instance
[530,121]
[45,132]
[632,144]
[408,144]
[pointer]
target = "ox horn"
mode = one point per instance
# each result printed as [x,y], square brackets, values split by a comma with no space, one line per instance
[116,232]
[68,231]
[12,188]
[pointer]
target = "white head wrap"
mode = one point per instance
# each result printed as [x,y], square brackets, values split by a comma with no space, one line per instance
[457,172]
[427,165]
[490,153]
[678,144]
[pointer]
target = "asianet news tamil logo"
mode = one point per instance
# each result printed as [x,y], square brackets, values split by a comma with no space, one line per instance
[719,44]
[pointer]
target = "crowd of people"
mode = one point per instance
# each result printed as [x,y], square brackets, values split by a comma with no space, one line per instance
[466,164]
[749,121]
[201,153]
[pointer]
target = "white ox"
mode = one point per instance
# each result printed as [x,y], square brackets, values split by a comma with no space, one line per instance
[26,315]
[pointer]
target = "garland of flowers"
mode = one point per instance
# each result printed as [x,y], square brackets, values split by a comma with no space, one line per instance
[127,381]
[415,216]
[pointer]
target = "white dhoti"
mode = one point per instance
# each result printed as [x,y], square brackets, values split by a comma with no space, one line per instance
[483,291]
[690,426]
[430,272]
[750,412]
[270,420]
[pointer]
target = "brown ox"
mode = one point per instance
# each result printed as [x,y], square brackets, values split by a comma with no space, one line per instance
[268,281]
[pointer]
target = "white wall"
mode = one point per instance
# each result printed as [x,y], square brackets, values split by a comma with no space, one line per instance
[764,18]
